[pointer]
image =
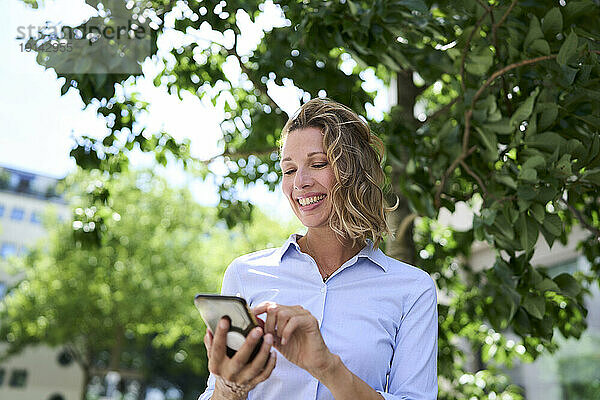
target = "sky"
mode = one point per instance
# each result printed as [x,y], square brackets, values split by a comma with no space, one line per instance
[39,125]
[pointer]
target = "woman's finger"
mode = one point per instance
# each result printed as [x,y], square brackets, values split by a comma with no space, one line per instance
[271,321]
[219,343]
[261,323]
[259,363]
[243,354]
[283,318]
[262,307]
[267,371]
[290,327]
[208,338]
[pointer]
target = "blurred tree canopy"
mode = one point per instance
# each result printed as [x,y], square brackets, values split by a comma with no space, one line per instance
[497,106]
[127,305]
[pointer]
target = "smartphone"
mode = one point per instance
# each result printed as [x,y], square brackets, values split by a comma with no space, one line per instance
[213,307]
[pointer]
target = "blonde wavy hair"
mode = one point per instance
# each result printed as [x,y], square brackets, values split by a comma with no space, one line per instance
[355,154]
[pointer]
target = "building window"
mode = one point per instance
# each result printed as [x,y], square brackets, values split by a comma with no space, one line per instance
[17,214]
[56,397]
[2,373]
[64,358]
[36,218]
[18,378]
[8,249]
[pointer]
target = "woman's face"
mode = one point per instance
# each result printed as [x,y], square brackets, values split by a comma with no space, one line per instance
[307,177]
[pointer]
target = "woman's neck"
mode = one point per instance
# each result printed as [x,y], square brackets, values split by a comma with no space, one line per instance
[326,248]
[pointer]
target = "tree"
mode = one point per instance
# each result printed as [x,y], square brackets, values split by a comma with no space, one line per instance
[127,305]
[505,97]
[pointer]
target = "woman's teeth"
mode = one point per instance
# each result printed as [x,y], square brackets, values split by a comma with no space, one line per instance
[305,201]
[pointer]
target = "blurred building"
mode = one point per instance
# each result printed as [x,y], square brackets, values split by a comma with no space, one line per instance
[40,372]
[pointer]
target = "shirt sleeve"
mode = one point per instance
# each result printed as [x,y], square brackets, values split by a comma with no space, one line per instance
[231,286]
[413,373]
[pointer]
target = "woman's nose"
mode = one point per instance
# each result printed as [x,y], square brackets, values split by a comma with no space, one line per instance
[302,179]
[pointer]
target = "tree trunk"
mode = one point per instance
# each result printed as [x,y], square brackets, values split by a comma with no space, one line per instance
[115,356]
[402,246]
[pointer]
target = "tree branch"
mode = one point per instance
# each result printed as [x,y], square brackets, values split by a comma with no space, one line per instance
[474,175]
[259,85]
[466,50]
[441,111]
[581,218]
[496,26]
[404,225]
[451,168]
[504,70]
[482,4]
[239,154]
[487,83]
[498,56]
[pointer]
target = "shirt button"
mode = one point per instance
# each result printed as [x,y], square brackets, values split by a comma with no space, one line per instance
[323,289]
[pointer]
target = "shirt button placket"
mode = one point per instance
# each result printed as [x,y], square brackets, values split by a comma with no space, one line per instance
[323,296]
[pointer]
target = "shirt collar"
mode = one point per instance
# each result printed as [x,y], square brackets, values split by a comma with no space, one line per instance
[375,255]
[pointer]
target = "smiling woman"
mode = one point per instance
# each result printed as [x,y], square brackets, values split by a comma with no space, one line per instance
[344,147]
[348,321]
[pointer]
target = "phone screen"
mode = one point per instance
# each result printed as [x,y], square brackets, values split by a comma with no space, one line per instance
[213,307]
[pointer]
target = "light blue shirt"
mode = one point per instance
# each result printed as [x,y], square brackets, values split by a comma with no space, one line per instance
[378,314]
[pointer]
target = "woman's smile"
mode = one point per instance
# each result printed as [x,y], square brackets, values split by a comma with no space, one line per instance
[310,201]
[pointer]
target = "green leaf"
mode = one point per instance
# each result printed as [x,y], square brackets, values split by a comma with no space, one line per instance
[528,175]
[65,88]
[552,22]
[526,192]
[538,212]
[525,109]
[502,127]
[479,64]
[353,7]
[547,284]
[418,5]
[490,142]
[592,176]
[548,115]
[568,49]
[550,238]
[534,162]
[553,224]
[569,74]
[540,46]
[506,180]
[534,32]
[504,227]
[567,284]
[528,232]
[564,164]
[488,215]
[547,141]
[535,305]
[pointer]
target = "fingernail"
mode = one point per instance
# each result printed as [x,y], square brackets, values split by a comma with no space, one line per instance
[283,340]
[223,323]
[269,338]
[256,332]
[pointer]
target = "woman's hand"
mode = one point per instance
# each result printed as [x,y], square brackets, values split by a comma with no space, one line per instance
[235,377]
[297,337]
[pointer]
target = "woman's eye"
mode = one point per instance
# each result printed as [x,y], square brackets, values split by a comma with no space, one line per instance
[320,165]
[289,172]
